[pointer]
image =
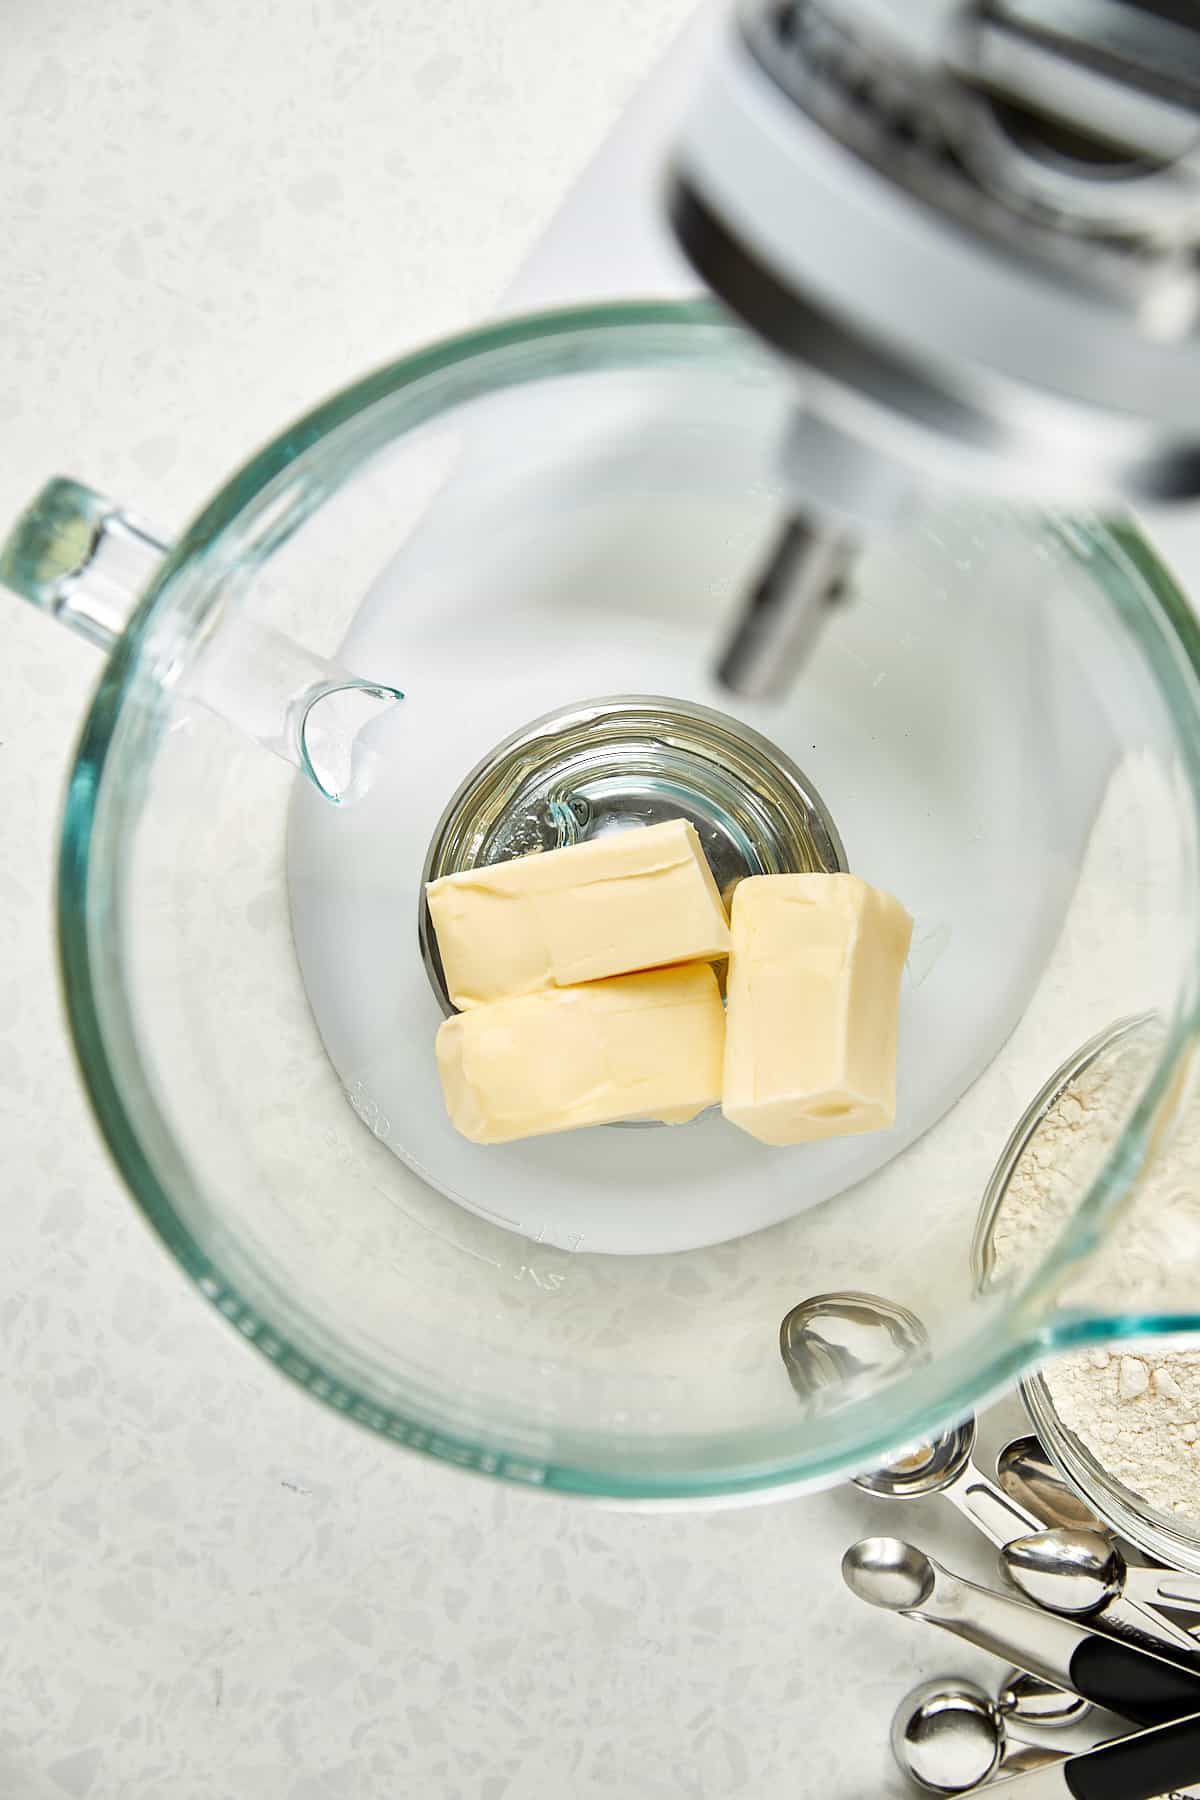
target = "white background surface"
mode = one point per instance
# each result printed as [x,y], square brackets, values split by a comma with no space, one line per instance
[212,215]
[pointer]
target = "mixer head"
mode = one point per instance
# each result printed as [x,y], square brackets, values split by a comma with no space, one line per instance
[971,232]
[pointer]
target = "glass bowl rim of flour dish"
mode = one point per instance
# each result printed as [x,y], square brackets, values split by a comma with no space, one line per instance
[261,507]
[1156,1533]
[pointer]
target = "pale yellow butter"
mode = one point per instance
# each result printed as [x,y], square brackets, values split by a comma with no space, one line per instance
[635,899]
[644,1046]
[813,996]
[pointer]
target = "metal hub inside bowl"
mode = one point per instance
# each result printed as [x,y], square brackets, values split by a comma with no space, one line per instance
[603,765]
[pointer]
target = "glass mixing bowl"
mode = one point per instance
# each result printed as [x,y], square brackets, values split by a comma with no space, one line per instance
[1149,1435]
[1000,726]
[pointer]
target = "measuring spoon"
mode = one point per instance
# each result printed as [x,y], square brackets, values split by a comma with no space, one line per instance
[949,1736]
[894,1575]
[1083,1574]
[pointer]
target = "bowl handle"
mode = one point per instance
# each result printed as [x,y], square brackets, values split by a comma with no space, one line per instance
[86,562]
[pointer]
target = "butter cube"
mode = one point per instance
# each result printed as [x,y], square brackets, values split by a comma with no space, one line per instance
[813,995]
[636,1047]
[635,899]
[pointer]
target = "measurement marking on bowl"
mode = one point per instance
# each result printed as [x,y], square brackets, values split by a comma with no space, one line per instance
[376,1122]
[550,1282]
[441,1236]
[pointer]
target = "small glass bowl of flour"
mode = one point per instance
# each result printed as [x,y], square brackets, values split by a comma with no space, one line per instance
[1122,1420]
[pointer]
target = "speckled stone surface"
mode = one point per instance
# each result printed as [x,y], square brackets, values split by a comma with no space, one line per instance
[210,1589]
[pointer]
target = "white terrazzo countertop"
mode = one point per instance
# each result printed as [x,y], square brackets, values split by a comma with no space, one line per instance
[210,1589]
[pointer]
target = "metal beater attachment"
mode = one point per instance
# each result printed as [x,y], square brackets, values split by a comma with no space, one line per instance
[970,234]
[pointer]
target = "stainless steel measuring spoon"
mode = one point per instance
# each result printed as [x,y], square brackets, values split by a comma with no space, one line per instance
[945,1466]
[950,1736]
[1028,1700]
[1083,1574]
[1027,1475]
[1145,1765]
[835,1339]
[1138,1684]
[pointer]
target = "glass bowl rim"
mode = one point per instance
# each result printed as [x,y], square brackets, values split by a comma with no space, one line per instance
[1141,1524]
[984,1363]
[1134,1518]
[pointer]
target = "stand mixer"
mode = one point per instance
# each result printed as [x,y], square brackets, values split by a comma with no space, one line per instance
[970,233]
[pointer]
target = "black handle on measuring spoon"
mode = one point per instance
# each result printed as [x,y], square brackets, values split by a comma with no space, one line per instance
[1145,1688]
[1138,1767]
[1142,1766]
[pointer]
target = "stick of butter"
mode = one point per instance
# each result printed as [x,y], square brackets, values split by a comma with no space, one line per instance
[636,1047]
[635,899]
[813,995]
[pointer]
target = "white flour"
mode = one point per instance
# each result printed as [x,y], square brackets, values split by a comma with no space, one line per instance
[1136,1410]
